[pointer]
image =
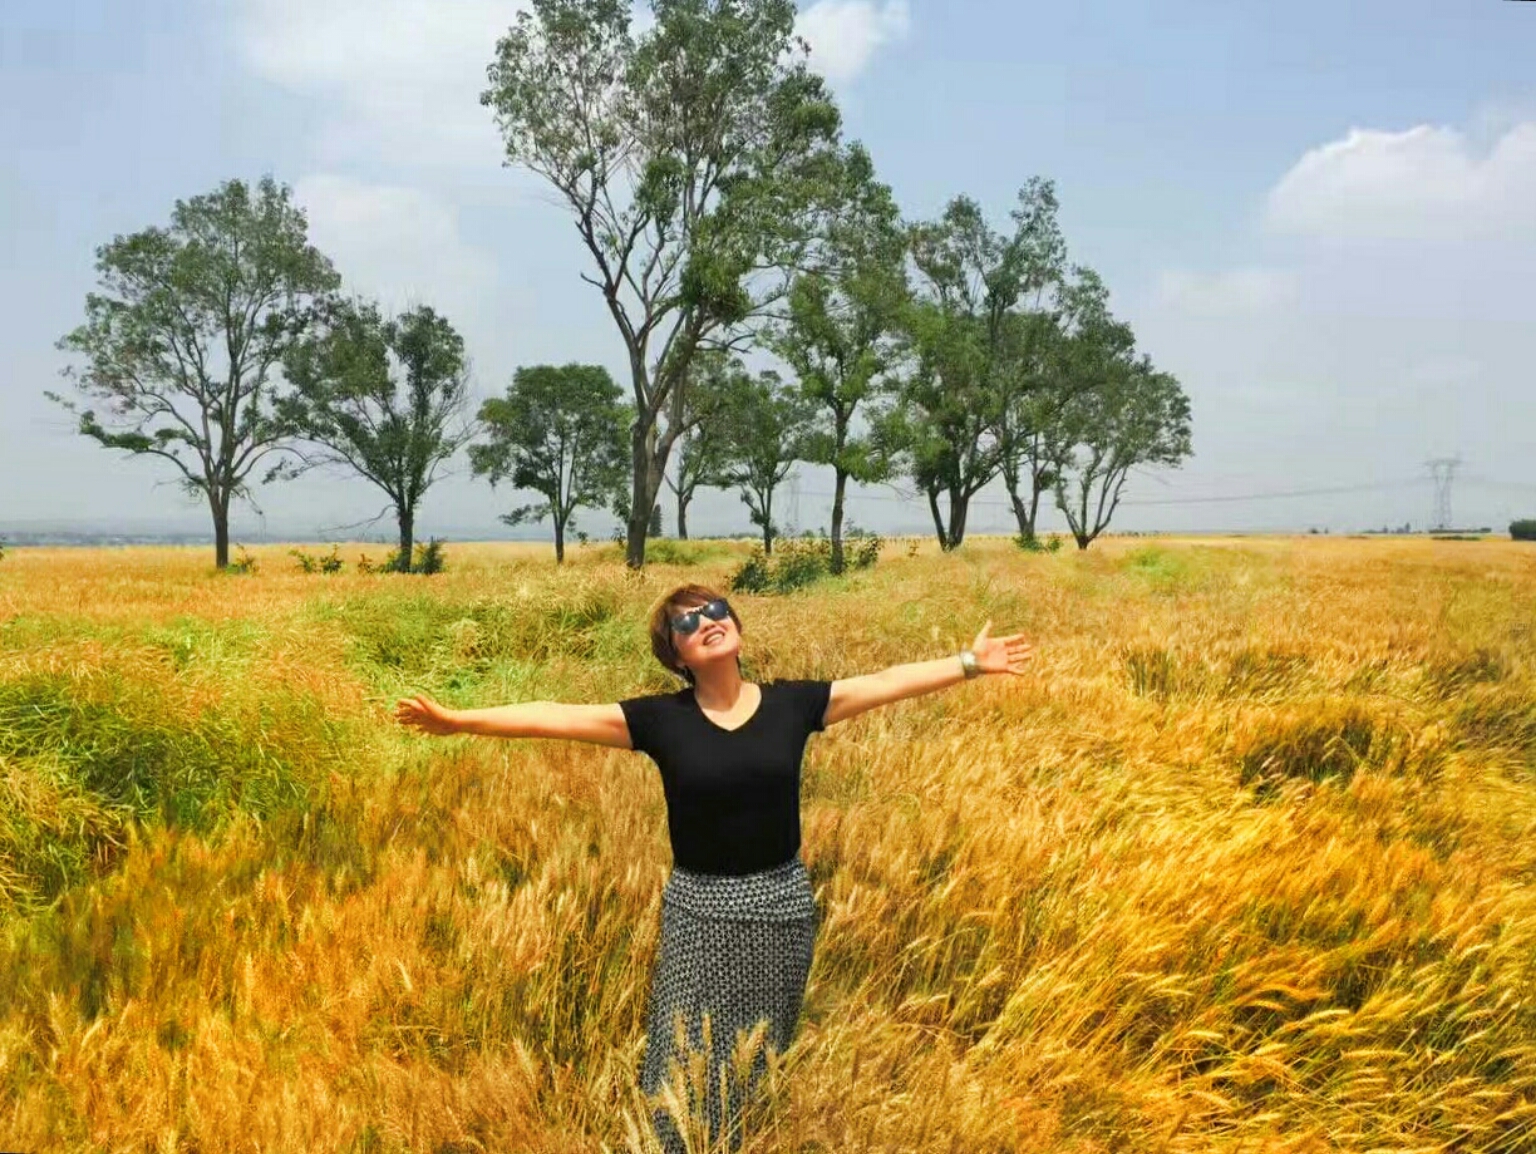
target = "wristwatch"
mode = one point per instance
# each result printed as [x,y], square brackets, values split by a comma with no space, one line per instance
[968,663]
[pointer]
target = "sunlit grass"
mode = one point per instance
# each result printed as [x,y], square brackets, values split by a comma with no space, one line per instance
[1245,863]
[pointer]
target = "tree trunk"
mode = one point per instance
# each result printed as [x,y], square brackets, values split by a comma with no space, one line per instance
[1034,501]
[838,486]
[220,507]
[559,540]
[1022,516]
[768,523]
[1011,483]
[407,539]
[642,496]
[959,505]
[648,465]
[682,517]
[938,520]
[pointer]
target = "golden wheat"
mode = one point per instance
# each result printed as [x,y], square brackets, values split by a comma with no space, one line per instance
[1245,862]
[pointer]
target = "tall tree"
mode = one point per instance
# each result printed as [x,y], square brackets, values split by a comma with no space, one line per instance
[971,279]
[383,397]
[840,335]
[690,157]
[1022,342]
[1072,348]
[703,444]
[558,432]
[180,343]
[1134,415]
[769,435]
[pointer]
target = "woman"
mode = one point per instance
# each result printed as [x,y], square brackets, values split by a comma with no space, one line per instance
[738,915]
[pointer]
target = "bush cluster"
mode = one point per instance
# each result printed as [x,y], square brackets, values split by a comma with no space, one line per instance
[803,561]
[1033,544]
[427,560]
[329,563]
[1523,530]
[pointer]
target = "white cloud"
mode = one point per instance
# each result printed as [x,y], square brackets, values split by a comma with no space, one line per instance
[844,34]
[404,76]
[1405,336]
[1237,292]
[1429,183]
[399,245]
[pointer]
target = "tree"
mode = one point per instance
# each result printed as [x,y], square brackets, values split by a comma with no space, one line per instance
[769,436]
[952,405]
[181,341]
[559,432]
[1023,342]
[840,335]
[703,443]
[382,397]
[690,157]
[1071,349]
[1133,416]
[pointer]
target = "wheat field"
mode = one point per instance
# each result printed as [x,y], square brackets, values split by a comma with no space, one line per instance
[1246,862]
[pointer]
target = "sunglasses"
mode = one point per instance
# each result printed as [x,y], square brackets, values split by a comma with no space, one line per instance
[686,623]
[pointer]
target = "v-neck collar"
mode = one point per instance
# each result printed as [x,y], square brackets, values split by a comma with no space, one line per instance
[762,695]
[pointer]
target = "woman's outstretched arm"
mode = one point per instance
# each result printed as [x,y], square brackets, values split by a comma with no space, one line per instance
[599,724]
[851,696]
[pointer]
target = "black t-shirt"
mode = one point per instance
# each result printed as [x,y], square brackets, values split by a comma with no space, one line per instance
[733,795]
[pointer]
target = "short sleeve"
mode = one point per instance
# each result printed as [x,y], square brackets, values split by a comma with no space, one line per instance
[811,698]
[640,715]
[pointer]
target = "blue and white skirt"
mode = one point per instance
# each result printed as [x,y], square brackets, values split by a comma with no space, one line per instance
[735,950]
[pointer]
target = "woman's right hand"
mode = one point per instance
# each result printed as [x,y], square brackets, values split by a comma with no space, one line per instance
[421,712]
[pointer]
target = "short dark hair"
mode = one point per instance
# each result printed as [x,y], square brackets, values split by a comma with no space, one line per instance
[683,598]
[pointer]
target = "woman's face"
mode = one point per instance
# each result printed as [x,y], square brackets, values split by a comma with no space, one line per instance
[712,641]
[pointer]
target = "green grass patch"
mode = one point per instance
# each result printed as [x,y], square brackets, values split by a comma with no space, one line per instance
[1163,570]
[462,648]
[84,755]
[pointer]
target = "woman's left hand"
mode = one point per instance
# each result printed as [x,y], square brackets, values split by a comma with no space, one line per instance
[1001,654]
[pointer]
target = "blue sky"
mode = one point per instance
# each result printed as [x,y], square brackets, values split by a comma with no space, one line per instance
[1320,217]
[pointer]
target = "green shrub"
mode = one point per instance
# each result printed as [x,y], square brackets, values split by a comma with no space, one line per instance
[861,547]
[428,559]
[754,575]
[244,564]
[328,563]
[801,563]
[1523,530]
[1030,543]
[796,563]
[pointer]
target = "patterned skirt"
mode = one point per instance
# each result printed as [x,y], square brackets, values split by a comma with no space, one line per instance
[735,951]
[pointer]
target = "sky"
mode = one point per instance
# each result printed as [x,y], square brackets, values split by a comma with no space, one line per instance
[1320,217]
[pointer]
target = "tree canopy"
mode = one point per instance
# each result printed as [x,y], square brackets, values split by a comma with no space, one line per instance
[691,158]
[383,397]
[558,432]
[181,342]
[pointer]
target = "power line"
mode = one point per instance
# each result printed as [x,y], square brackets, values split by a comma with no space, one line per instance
[1330,490]
[1274,496]
[1487,483]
